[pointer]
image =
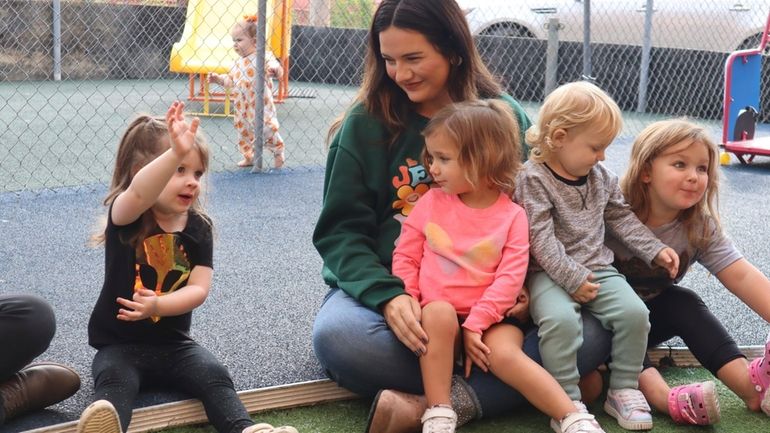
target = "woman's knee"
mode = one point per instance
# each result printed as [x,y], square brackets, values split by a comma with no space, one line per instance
[33,320]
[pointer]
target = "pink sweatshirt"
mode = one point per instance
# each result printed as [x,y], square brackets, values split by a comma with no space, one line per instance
[475,259]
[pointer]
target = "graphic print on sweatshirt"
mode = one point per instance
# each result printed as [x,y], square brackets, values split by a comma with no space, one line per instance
[161,265]
[476,259]
[411,183]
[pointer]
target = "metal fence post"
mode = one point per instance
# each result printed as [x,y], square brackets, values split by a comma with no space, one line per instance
[259,88]
[56,40]
[587,41]
[552,55]
[644,67]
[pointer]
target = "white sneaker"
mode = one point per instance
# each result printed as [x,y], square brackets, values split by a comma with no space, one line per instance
[629,407]
[577,422]
[439,419]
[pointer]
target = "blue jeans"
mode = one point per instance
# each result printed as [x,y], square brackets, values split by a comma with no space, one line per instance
[359,352]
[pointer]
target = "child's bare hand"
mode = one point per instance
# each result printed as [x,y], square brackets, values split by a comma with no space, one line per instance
[182,133]
[215,78]
[143,305]
[668,259]
[520,311]
[587,291]
[475,352]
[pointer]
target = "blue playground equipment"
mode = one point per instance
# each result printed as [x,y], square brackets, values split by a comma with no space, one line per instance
[741,103]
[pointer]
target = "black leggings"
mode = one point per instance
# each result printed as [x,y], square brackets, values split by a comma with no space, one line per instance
[120,369]
[679,311]
[27,325]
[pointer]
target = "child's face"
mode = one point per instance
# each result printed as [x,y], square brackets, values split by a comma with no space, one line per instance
[577,151]
[677,179]
[445,166]
[183,188]
[243,44]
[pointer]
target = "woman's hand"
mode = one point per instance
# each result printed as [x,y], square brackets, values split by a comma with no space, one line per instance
[403,314]
[143,305]
[475,352]
[520,311]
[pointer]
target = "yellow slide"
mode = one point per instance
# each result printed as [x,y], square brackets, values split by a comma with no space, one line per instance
[206,45]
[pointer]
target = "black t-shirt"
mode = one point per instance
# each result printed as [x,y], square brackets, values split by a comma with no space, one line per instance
[169,257]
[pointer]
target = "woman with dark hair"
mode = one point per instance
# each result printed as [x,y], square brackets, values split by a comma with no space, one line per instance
[367,335]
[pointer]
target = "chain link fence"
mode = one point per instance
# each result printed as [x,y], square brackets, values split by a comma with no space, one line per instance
[74,72]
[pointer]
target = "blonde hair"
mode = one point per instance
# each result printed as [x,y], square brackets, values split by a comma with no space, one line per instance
[487,136]
[571,106]
[654,141]
[144,140]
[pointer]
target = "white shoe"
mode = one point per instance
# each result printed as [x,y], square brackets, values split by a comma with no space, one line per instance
[629,407]
[577,422]
[439,419]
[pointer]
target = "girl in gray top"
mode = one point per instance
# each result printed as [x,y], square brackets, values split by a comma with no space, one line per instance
[570,199]
[672,186]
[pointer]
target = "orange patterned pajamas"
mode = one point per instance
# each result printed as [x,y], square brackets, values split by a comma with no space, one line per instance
[244,97]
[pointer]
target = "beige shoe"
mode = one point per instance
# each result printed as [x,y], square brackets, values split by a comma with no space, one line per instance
[396,412]
[267,428]
[99,417]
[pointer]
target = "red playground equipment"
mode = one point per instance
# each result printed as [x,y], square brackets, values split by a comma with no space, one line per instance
[741,103]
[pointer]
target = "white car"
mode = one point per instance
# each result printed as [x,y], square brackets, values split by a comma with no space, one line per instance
[706,25]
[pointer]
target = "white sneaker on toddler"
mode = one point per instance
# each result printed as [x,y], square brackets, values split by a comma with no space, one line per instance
[629,407]
[577,422]
[439,419]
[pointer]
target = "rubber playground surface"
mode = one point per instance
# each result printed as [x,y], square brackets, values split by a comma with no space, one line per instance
[267,284]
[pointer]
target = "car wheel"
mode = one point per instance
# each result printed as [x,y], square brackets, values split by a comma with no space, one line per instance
[508,30]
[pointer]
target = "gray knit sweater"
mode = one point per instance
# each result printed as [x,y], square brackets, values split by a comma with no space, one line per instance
[568,219]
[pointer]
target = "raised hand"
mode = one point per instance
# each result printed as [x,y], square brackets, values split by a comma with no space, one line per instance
[182,133]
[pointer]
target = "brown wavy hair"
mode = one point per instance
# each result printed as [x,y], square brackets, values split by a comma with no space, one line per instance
[443,24]
[144,140]
[487,136]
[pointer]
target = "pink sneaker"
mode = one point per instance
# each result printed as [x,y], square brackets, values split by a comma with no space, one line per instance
[759,372]
[695,404]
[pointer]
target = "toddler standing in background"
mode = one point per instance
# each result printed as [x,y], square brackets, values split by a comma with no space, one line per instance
[463,254]
[571,199]
[240,81]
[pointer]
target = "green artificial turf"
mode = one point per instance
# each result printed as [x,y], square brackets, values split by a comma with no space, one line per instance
[350,416]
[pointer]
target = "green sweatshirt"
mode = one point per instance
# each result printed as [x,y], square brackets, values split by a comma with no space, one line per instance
[369,189]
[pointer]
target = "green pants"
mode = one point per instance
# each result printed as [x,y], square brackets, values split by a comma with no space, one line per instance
[618,309]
